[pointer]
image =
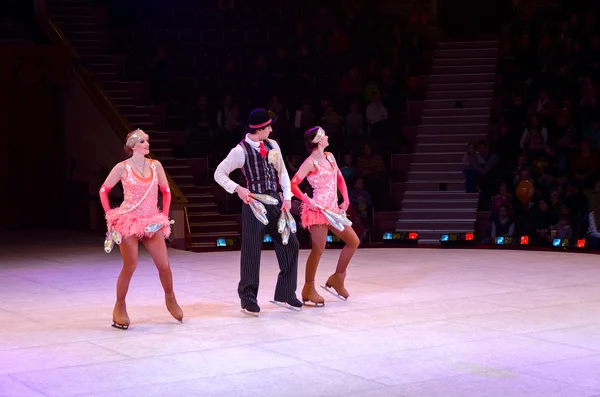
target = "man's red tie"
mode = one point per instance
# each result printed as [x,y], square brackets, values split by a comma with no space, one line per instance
[263,150]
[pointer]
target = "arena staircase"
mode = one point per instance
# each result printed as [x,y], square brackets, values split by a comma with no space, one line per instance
[86,28]
[456,111]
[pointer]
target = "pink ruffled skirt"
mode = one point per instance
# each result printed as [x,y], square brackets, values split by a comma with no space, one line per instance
[310,217]
[132,224]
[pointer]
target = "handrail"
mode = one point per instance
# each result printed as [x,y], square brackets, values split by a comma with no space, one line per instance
[113,115]
[188,235]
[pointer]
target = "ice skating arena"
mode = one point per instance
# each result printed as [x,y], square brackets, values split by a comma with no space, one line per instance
[419,322]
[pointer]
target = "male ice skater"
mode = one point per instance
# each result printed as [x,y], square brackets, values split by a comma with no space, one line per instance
[262,164]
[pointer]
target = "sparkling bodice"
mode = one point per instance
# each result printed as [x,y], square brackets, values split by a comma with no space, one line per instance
[324,183]
[141,194]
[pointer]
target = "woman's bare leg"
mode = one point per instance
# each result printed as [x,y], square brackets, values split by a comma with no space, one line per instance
[158,250]
[336,280]
[318,235]
[129,253]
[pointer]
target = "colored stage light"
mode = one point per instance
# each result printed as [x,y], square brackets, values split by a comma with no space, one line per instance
[226,242]
[333,240]
[400,238]
[581,243]
[560,243]
[457,239]
[524,240]
[499,240]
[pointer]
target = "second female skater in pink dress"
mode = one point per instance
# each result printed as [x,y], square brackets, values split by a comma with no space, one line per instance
[139,219]
[323,174]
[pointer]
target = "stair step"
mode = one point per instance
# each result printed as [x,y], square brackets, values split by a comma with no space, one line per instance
[440,147]
[197,208]
[91,34]
[465,61]
[443,157]
[193,189]
[78,24]
[440,215]
[123,102]
[207,217]
[182,179]
[462,69]
[208,236]
[87,51]
[85,43]
[167,145]
[481,86]
[201,197]
[434,176]
[461,78]
[451,196]
[439,225]
[452,185]
[449,139]
[451,103]
[453,45]
[454,120]
[466,53]
[99,59]
[116,86]
[436,167]
[430,205]
[183,170]
[105,76]
[138,119]
[454,129]
[460,94]
[213,227]
[80,10]
[479,111]
[103,68]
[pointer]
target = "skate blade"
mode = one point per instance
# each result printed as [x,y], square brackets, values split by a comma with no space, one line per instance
[253,314]
[119,326]
[312,304]
[286,305]
[333,292]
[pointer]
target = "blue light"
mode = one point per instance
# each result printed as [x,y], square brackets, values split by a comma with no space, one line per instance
[499,240]
[387,236]
[267,239]
[329,238]
[445,237]
[221,242]
[556,242]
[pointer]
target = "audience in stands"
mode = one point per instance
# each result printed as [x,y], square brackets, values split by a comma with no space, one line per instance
[549,128]
[339,66]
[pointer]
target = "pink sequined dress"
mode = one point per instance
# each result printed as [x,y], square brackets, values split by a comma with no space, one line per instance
[324,184]
[140,206]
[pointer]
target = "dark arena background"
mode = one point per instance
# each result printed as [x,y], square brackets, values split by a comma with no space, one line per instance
[467,132]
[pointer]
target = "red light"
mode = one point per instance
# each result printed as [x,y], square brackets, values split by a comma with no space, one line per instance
[581,243]
[413,236]
[524,240]
[469,237]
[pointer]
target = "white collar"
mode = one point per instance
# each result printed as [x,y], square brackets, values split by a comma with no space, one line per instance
[252,143]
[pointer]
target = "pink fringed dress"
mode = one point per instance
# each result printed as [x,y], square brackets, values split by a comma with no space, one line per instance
[139,208]
[324,184]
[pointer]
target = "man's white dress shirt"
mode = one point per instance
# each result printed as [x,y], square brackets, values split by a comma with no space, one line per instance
[237,158]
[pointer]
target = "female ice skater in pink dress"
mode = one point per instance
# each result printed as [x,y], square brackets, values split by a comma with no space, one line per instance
[323,174]
[138,218]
